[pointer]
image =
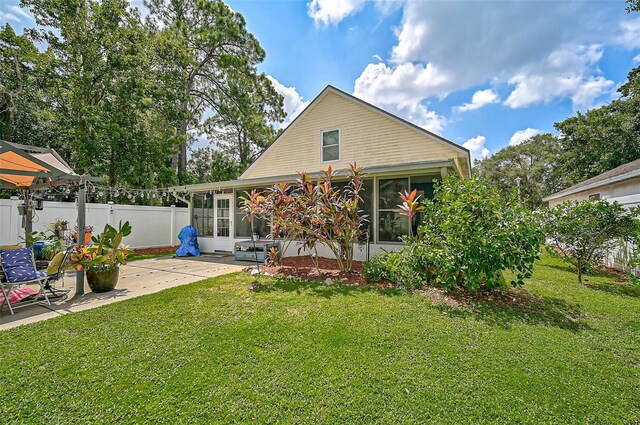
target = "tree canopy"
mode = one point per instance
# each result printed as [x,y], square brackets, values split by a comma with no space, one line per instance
[122,96]
[531,167]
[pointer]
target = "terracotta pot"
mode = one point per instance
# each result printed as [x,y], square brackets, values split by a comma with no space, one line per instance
[87,238]
[103,281]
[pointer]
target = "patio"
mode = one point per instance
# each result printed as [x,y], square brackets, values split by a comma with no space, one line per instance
[137,278]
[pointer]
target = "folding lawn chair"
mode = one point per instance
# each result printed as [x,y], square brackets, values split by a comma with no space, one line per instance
[55,273]
[19,267]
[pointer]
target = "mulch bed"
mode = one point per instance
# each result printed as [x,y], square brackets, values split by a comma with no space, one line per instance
[155,250]
[303,267]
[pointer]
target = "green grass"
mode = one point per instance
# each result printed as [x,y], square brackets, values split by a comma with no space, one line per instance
[136,257]
[302,352]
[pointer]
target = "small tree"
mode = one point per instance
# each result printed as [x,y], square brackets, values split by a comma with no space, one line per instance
[586,232]
[314,213]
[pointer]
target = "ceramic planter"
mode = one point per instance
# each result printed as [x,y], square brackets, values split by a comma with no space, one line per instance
[103,281]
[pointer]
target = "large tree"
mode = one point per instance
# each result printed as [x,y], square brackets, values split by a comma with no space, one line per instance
[20,92]
[600,139]
[107,90]
[210,165]
[530,166]
[218,58]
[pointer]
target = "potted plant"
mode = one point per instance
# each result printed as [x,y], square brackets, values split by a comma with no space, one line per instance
[88,230]
[103,259]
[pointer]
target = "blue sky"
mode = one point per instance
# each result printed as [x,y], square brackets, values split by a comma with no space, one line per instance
[481,73]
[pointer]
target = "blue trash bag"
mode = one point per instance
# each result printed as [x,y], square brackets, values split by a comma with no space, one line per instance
[188,242]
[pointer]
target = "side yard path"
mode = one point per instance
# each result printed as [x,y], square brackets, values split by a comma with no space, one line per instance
[235,350]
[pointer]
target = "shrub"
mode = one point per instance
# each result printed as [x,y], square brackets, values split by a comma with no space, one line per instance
[470,233]
[401,267]
[585,232]
[314,213]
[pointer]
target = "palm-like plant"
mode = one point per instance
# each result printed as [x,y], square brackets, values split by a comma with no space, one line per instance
[107,251]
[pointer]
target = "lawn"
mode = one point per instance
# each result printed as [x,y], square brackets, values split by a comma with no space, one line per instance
[301,352]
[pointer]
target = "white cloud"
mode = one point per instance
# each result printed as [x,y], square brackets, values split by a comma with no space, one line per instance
[546,50]
[630,37]
[636,58]
[14,13]
[522,135]
[378,57]
[403,85]
[293,102]
[568,72]
[402,89]
[476,147]
[387,6]
[479,99]
[332,12]
[422,117]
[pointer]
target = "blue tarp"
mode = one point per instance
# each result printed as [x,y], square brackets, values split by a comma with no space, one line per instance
[188,242]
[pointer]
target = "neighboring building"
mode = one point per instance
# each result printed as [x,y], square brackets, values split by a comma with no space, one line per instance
[336,129]
[622,184]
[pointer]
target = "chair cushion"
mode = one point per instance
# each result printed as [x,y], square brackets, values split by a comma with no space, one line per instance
[54,264]
[19,265]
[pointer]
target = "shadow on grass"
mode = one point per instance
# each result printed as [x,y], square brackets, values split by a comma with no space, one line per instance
[319,288]
[517,307]
[619,286]
[616,288]
[512,307]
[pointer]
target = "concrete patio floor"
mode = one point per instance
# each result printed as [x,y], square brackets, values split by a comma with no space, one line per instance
[136,278]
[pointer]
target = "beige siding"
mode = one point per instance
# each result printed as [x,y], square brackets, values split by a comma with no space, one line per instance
[367,137]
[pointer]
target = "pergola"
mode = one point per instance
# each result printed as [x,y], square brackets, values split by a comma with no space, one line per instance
[29,168]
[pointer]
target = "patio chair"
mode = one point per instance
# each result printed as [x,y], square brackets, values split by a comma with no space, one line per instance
[19,267]
[55,273]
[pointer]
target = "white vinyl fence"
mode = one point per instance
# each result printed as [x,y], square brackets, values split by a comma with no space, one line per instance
[151,226]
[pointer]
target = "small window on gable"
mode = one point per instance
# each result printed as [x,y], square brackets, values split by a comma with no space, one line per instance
[330,145]
[595,196]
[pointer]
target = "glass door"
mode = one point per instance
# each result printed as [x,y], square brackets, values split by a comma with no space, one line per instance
[223,223]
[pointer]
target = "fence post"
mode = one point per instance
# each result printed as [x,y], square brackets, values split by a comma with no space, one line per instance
[82,210]
[14,217]
[110,205]
[173,225]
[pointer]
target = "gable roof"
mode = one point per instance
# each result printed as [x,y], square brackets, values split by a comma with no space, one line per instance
[623,172]
[331,89]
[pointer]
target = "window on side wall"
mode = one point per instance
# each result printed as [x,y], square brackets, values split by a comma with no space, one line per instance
[203,213]
[595,196]
[391,225]
[242,225]
[330,145]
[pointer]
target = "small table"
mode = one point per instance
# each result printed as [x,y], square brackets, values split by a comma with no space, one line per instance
[244,250]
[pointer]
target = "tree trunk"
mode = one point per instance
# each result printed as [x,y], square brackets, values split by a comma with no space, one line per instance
[579,266]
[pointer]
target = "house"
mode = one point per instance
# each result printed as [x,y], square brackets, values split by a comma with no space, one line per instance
[621,184]
[336,129]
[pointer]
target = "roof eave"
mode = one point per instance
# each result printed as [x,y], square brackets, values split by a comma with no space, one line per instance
[594,185]
[434,165]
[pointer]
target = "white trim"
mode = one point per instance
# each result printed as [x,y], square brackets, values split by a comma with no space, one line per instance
[223,242]
[322,145]
[374,211]
[330,89]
